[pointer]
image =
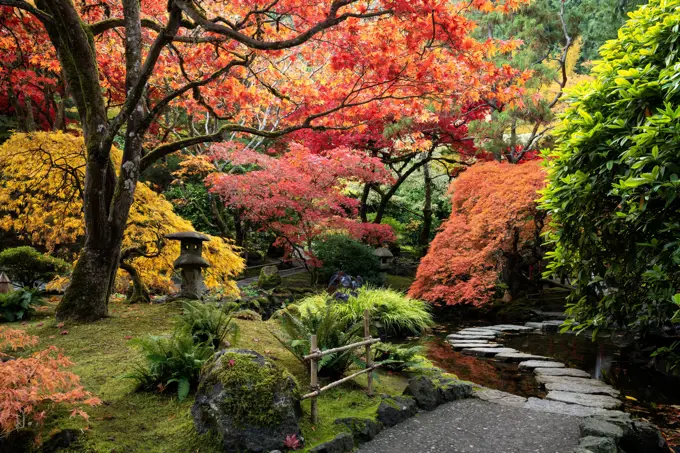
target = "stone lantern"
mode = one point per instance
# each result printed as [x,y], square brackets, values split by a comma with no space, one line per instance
[386,258]
[190,262]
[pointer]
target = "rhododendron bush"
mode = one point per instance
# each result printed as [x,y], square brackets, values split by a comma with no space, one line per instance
[32,386]
[492,231]
[299,195]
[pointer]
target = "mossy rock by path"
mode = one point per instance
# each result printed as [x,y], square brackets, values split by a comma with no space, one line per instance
[269,277]
[247,400]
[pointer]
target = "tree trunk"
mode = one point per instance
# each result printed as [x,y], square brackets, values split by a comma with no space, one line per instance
[363,207]
[427,211]
[140,293]
[385,199]
[87,296]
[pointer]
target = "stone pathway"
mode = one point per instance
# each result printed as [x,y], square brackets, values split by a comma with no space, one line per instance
[569,391]
[474,426]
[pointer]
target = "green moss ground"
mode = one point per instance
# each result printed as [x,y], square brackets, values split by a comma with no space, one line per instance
[398,282]
[129,421]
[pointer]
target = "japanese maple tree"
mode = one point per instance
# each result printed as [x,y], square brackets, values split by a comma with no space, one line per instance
[491,237]
[299,195]
[257,67]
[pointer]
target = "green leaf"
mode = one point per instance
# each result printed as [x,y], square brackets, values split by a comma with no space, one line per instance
[183,387]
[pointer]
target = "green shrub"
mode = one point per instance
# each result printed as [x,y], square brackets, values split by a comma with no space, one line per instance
[393,313]
[331,332]
[614,179]
[207,323]
[341,253]
[28,267]
[171,362]
[398,358]
[18,305]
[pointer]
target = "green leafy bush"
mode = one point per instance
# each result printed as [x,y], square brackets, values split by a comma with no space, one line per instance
[207,323]
[18,305]
[341,253]
[171,362]
[393,313]
[615,178]
[175,361]
[28,267]
[331,332]
[397,357]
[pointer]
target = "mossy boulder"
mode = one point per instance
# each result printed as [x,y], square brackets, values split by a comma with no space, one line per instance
[431,391]
[269,277]
[394,410]
[251,403]
[362,429]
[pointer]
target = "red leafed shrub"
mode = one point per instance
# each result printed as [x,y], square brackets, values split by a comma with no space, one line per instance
[32,386]
[493,219]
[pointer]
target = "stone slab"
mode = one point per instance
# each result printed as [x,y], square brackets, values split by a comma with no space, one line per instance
[574,372]
[544,379]
[457,336]
[478,332]
[558,407]
[530,364]
[458,346]
[585,387]
[534,325]
[519,357]
[509,328]
[598,401]
[499,397]
[486,352]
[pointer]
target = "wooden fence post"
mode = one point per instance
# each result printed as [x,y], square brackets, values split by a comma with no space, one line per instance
[369,360]
[314,384]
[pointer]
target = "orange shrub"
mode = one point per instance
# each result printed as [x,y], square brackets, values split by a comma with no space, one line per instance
[30,387]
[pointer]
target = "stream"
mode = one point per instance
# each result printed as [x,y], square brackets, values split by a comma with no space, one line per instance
[645,391]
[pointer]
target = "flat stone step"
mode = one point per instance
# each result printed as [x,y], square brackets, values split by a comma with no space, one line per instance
[478,332]
[574,372]
[598,401]
[486,352]
[545,379]
[585,387]
[464,345]
[509,328]
[499,397]
[457,336]
[530,364]
[558,407]
[519,357]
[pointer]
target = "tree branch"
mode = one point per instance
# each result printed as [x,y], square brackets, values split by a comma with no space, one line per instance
[40,14]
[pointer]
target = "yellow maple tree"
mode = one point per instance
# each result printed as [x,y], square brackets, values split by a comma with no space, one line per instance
[41,180]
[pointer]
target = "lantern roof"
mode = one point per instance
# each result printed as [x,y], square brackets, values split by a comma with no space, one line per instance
[383,252]
[4,278]
[191,235]
[187,260]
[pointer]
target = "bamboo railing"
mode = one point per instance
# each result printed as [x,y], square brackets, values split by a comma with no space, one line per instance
[315,355]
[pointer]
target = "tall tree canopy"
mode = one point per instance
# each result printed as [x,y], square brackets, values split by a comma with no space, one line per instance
[255,67]
[614,180]
[490,238]
[41,179]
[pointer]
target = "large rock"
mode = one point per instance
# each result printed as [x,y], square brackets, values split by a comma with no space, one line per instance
[598,444]
[499,397]
[342,443]
[269,277]
[643,437]
[397,409]
[430,392]
[362,429]
[248,401]
[599,427]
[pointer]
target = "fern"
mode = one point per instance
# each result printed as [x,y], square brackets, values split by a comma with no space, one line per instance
[207,323]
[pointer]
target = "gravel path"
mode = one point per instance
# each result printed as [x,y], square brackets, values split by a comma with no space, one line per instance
[475,426]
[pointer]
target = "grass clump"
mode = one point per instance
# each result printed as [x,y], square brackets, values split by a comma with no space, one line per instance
[331,332]
[392,313]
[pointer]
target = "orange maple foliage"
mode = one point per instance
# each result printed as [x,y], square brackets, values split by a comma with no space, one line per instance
[492,202]
[32,386]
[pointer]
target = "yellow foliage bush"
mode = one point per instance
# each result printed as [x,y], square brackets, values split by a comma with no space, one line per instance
[41,178]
